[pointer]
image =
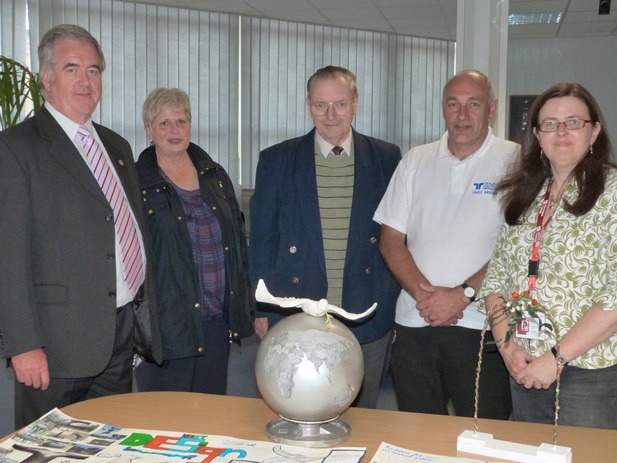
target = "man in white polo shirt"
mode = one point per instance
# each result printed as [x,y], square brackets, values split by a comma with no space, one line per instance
[440,222]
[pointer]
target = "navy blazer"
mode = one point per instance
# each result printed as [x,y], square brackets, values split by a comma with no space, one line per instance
[286,243]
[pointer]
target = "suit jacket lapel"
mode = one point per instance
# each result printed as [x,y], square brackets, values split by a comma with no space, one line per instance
[364,188]
[65,152]
[305,177]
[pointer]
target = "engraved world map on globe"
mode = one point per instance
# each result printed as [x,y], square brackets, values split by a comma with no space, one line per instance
[290,349]
[309,368]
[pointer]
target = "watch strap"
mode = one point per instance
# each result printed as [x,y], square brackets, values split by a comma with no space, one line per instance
[561,359]
[464,285]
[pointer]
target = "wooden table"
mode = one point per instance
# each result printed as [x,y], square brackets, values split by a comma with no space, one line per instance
[246,419]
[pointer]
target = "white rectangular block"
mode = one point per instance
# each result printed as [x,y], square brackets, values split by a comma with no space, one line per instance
[481,443]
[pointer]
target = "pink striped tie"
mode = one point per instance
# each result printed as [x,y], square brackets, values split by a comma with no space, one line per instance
[126,232]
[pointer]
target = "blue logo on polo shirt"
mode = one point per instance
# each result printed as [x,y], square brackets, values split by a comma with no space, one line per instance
[484,188]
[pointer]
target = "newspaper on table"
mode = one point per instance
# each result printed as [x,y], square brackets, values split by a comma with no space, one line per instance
[387,453]
[63,439]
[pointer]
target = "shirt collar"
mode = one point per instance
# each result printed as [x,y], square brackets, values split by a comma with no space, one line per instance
[325,147]
[69,126]
[444,151]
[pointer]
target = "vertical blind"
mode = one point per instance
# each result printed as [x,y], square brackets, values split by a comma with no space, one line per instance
[13,30]
[149,46]
[246,76]
[399,78]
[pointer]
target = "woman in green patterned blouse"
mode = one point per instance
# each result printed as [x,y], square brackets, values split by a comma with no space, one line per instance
[559,242]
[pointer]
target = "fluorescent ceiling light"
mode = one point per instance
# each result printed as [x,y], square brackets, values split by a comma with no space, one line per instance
[534,18]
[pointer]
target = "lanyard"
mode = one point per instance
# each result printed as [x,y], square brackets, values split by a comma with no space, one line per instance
[534,262]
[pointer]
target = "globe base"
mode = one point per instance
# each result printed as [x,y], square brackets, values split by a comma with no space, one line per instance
[307,434]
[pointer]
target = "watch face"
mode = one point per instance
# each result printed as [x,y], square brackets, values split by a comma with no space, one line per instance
[561,360]
[469,292]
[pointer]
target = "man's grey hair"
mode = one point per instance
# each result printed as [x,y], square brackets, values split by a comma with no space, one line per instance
[333,72]
[65,32]
[473,73]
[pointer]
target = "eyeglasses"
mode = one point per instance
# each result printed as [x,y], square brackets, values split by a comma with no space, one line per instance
[570,124]
[341,108]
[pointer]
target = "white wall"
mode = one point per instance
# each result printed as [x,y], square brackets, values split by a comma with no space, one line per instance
[536,64]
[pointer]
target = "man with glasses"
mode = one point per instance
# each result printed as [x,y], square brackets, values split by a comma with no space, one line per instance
[440,221]
[312,233]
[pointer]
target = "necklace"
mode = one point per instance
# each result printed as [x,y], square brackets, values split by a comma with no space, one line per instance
[555,200]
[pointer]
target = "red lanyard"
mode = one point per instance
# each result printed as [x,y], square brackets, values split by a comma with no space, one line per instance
[534,262]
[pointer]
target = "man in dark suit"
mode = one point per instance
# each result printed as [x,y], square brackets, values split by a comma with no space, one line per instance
[68,277]
[312,233]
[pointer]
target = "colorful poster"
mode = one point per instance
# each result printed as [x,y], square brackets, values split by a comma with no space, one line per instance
[64,439]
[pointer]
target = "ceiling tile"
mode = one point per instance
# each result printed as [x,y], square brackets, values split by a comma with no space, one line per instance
[322,4]
[537,6]
[310,16]
[369,24]
[423,18]
[413,13]
[591,29]
[588,17]
[586,5]
[221,6]
[533,30]
[344,14]
[278,5]
[426,31]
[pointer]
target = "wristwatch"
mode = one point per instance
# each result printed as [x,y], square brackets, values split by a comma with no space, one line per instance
[469,291]
[562,361]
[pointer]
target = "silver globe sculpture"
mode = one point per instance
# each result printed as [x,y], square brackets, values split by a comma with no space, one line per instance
[309,370]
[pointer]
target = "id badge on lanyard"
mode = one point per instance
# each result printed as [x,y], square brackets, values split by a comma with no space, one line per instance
[529,327]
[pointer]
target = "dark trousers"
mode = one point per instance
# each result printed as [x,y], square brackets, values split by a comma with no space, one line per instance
[587,398]
[431,366]
[375,356]
[116,378]
[205,373]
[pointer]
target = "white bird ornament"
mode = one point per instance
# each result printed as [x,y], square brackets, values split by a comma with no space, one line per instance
[308,306]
